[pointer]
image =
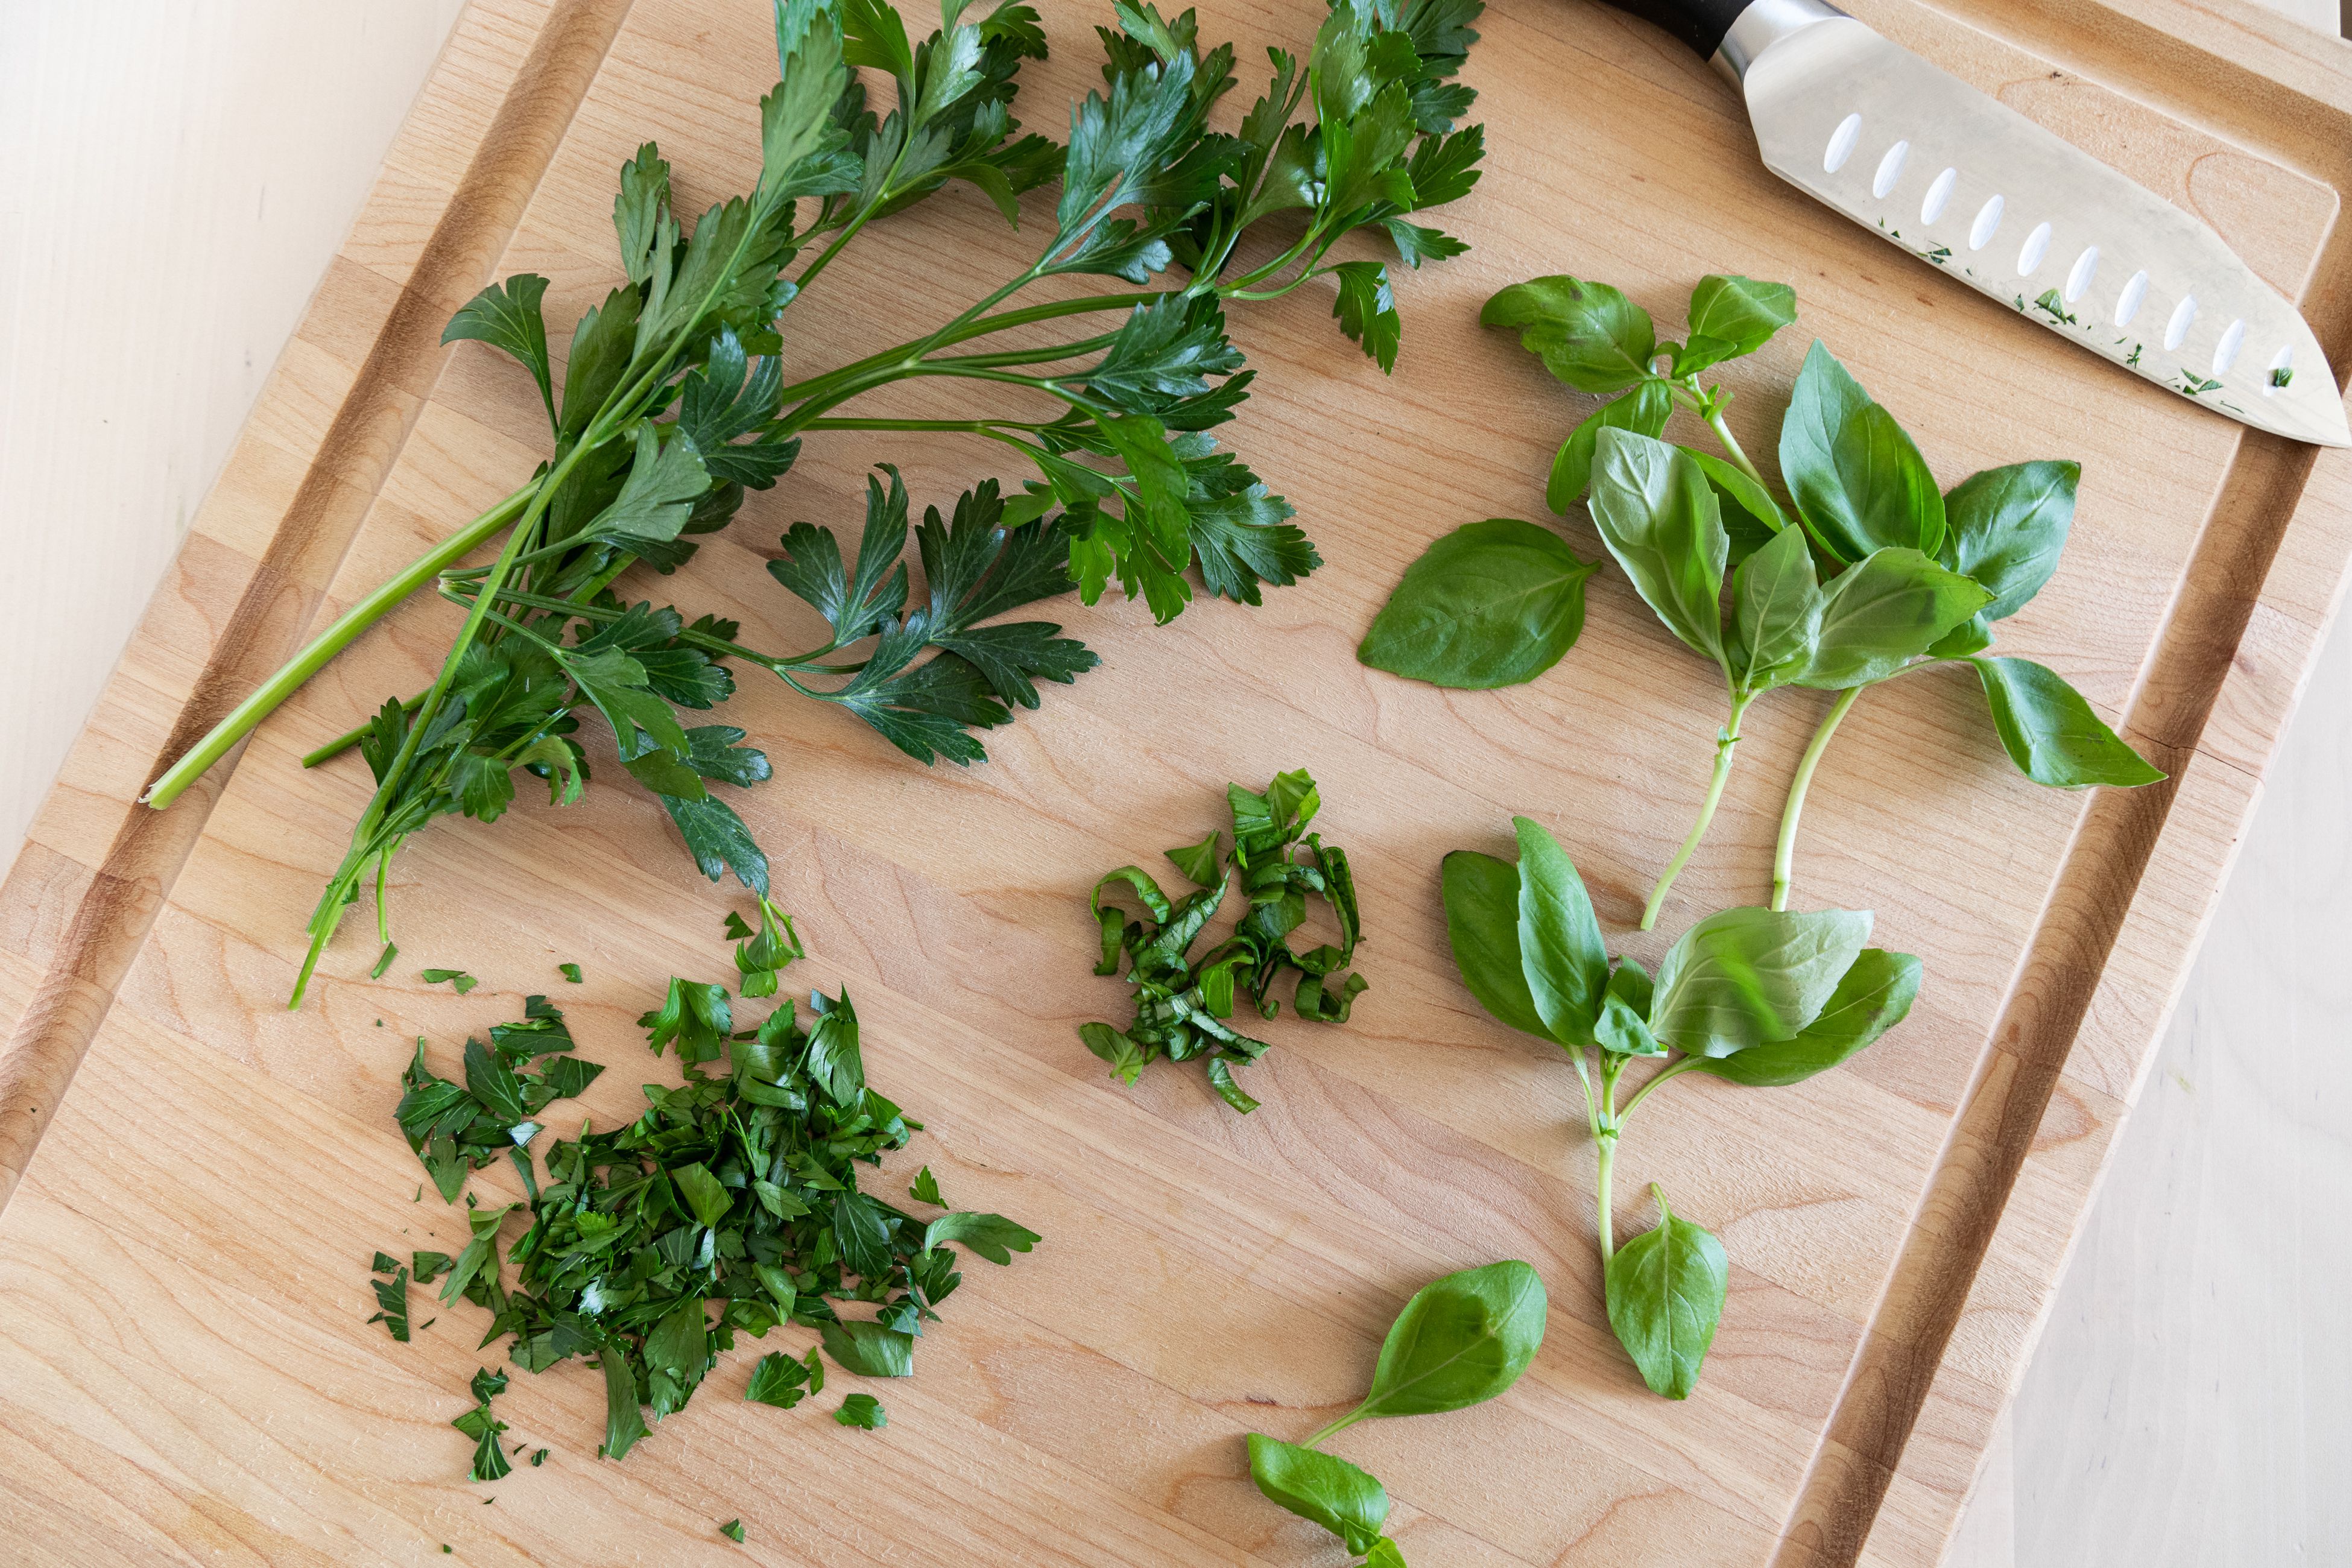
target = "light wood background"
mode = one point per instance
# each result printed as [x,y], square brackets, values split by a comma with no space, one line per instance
[2167,1419]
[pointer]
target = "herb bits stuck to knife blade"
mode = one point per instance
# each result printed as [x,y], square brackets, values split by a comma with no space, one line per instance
[1182,1003]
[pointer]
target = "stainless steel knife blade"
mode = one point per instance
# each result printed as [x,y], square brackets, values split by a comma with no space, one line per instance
[1970,185]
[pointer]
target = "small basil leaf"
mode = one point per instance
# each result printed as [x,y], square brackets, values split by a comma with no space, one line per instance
[1590,335]
[1348,1502]
[1732,316]
[1199,862]
[1879,615]
[2007,527]
[1659,519]
[1665,1290]
[1492,603]
[1747,977]
[1751,516]
[1482,923]
[1561,951]
[1621,1029]
[1643,409]
[2051,732]
[1460,1340]
[1776,610]
[1871,998]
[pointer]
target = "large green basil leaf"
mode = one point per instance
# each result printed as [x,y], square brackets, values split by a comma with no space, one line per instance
[1731,316]
[1460,1340]
[1561,951]
[2049,731]
[1347,1501]
[1665,1290]
[1590,335]
[1873,997]
[1645,409]
[1482,923]
[1659,519]
[1852,469]
[1776,605]
[1748,977]
[1879,615]
[2007,527]
[1492,603]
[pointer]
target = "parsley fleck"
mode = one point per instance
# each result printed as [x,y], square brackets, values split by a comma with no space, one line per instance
[732,1529]
[455,977]
[569,971]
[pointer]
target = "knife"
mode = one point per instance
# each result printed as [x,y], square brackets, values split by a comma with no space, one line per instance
[1970,185]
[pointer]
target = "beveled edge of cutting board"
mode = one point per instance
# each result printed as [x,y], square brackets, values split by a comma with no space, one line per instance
[97,867]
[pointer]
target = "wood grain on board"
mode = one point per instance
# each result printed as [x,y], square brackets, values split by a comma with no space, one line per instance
[187,1367]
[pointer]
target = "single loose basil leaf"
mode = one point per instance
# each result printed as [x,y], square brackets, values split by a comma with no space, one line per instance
[1732,316]
[1665,1290]
[1492,603]
[1460,1340]
[1588,335]
[1824,397]
[1481,924]
[2007,527]
[1747,977]
[1879,615]
[1659,519]
[991,1236]
[1347,1501]
[1221,1079]
[1776,610]
[863,1411]
[1871,998]
[868,1349]
[2051,732]
[1645,409]
[1561,951]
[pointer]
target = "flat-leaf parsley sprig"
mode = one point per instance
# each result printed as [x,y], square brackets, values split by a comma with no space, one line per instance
[674,400]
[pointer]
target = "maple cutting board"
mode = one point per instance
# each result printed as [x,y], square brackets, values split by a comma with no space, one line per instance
[199,1176]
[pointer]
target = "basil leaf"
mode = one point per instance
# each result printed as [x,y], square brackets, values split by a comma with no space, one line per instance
[1460,1340]
[1879,615]
[868,1349]
[1659,519]
[1561,951]
[1348,1502]
[1776,612]
[1643,409]
[1747,977]
[1665,1291]
[1199,862]
[1853,472]
[2007,527]
[1588,335]
[1732,316]
[1871,998]
[1482,923]
[2051,732]
[991,1236]
[1492,603]
[1751,516]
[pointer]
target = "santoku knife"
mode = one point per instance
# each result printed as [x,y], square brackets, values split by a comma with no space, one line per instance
[1970,185]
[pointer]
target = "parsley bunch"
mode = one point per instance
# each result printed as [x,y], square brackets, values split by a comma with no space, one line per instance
[674,400]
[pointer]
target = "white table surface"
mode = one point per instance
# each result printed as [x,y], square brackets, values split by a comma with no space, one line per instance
[186,168]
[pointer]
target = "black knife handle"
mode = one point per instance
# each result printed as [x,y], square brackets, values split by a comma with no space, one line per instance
[1701,23]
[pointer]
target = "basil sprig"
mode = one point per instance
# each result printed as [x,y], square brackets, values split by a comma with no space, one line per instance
[1763,997]
[1460,1340]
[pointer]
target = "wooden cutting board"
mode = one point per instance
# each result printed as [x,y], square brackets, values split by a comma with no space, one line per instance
[185,1368]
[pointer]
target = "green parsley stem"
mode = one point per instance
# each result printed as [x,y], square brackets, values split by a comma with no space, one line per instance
[347,626]
[1784,853]
[1726,744]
